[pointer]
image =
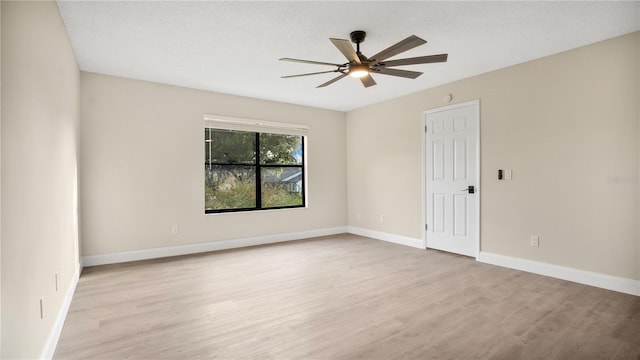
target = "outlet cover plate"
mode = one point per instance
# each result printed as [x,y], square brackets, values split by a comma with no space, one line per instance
[535,240]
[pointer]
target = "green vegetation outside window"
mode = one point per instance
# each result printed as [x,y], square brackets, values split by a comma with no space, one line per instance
[252,170]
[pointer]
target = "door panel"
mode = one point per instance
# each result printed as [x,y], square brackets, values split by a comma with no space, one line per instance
[438,213]
[438,160]
[450,168]
[460,211]
[460,159]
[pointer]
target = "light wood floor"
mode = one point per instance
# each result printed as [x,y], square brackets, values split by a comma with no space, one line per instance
[341,297]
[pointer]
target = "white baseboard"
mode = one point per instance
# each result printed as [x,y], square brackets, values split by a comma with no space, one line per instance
[154,253]
[396,239]
[54,336]
[623,285]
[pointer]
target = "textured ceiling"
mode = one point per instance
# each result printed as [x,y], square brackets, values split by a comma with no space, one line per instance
[234,47]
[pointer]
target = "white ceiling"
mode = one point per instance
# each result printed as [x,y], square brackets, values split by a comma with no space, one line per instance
[234,47]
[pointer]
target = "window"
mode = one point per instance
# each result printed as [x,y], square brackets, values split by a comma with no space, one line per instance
[253,166]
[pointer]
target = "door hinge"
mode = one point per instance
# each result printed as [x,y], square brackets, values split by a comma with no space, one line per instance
[425,129]
[426,226]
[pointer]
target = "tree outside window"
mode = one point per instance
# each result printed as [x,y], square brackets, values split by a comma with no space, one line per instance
[252,170]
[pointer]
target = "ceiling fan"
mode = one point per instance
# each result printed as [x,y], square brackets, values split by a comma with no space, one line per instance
[362,67]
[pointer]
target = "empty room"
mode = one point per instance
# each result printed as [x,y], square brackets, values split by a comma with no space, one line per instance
[320,180]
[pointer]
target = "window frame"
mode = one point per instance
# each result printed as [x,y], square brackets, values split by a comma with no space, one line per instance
[257,128]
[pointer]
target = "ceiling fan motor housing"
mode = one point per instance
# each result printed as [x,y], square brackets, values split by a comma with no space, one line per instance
[358,36]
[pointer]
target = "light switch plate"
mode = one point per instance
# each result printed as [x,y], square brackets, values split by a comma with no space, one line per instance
[507,174]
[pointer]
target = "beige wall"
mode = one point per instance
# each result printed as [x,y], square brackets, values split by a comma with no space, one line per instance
[568,127]
[142,166]
[40,84]
[0,181]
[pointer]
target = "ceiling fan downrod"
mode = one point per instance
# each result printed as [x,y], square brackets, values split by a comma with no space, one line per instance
[357,37]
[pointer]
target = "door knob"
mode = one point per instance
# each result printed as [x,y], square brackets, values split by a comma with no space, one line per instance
[470,189]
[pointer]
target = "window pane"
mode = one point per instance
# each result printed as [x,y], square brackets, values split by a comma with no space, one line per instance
[280,149]
[229,187]
[227,146]
[281,186]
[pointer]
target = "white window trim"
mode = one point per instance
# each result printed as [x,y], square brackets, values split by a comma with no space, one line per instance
[252,125]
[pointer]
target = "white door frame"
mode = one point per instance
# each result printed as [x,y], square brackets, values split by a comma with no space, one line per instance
[478,191]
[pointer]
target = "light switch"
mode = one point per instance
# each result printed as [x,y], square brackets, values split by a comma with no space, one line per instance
[507,174]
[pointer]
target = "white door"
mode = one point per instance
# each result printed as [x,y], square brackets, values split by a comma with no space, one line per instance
[452,178]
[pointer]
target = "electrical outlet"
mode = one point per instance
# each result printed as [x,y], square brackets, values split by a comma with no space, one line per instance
[381,218]
[174,229]
[535,240]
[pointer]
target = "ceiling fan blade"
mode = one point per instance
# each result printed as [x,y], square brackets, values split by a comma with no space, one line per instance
[402,46]
[367,81]
[331,81]
[307,74]
[398,72]
[416,60]
[309,62]
[346,49]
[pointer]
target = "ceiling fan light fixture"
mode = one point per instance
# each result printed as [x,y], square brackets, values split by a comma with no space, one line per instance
[360,66]
[358,70]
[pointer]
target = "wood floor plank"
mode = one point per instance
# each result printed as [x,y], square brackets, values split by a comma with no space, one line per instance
[341,297]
